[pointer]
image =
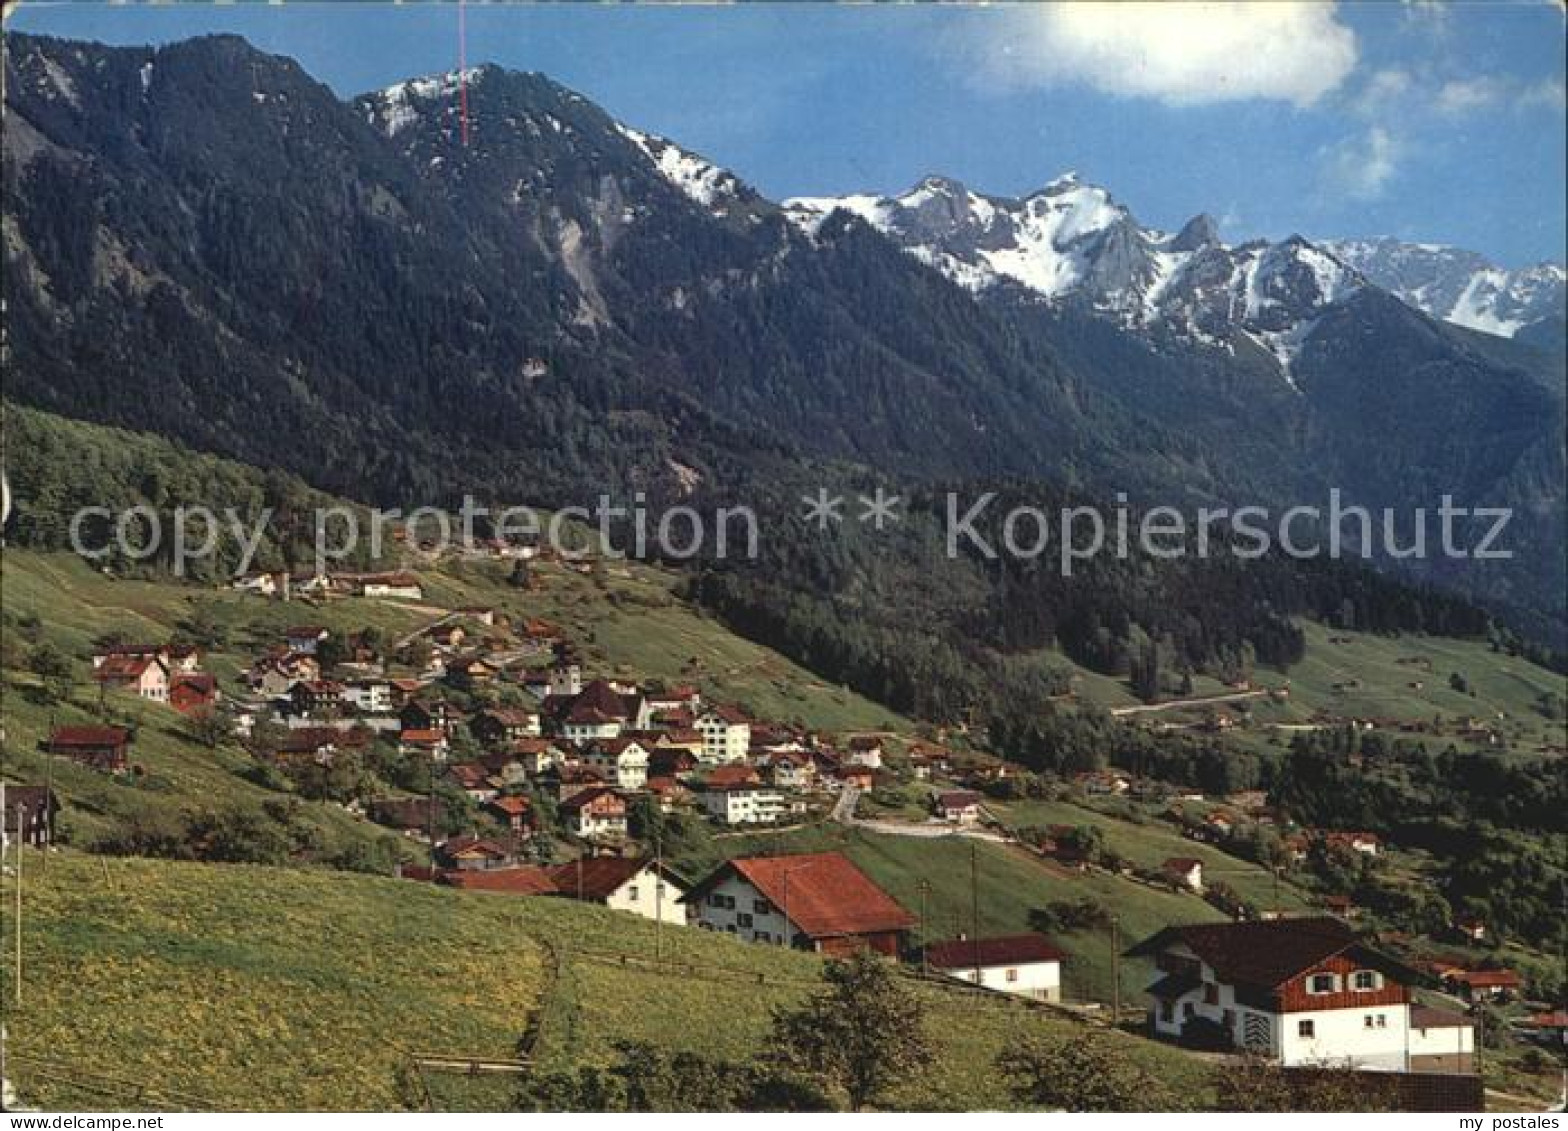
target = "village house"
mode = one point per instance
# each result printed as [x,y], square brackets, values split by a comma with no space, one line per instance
[304,639]
[681,698]
[595,813]
[145,676]
[449,635]
[571,778]
[817,901]
[317,696]
[504,725]
[473,854]
[726,735]
[669,793]
[622,761]
[864,751]
[399,586]
[410,815]
[536,755]
[275,676]
[432,744]
[101,747]
[470,672]
[623,883]
[788,770]
[671,761]
[855,777]
[515,813]
[369,696]
[428,714]
[193,693]
[958,806]
[1186,871]
[28,813]
[743,804]
[319,744]
[474,779]
[1026,965]
[1485,985]
[599,711]
[1473,929]
[1365,843]
[1297,991]
[524,880]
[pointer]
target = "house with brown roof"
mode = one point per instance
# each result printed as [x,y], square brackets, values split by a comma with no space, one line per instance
[27,812]
[143,676]
[595,813]
[513,812]
[1185,871]
[1483,985]
[193,693]
[1297,991]
[813,901]
[622,761]
[958,806]
[623,883]
[500,725]
[101,747]
[1027,965]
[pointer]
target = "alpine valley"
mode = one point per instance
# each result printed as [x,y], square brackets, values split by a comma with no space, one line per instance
[203,242]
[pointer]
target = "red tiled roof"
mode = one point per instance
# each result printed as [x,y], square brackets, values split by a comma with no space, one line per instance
[511,806]
[1488,979]
[1182,864]
[958,799]
[721,777]
[528,880]
[828,895]
[1005,950]
[598,877]
[89,736]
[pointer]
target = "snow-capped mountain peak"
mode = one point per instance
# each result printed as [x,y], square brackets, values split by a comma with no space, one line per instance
[710,185]
[1463,287]
[1071,241]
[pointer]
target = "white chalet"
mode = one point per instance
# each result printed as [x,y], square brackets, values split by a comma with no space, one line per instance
[1027,965]
[726,736]
[1297,991]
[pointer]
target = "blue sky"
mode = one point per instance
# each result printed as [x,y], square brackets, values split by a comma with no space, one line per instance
[1425,121]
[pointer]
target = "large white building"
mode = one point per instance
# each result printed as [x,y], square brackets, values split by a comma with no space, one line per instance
[1027,965]
[726,736]
[1298,991]
[744,804]
[641,887]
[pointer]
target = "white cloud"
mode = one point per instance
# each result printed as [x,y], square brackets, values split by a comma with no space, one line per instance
[1361,167]
[1546,94]
[1178,53]
[1461,96]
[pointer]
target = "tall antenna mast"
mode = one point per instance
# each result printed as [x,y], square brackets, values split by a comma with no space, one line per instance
[462,68]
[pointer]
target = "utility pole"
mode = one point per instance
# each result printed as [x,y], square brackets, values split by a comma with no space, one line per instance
[974,905]
[924,888]
[1116,971]
[19,854]
[658,898]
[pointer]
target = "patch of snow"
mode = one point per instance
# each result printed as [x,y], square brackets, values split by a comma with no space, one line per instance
[704,182]
[1476,307]
[145,74]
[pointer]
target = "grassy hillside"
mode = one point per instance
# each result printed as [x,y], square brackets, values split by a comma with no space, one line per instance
[242,987]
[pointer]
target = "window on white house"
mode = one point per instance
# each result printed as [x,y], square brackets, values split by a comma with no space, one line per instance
[1012,975]
[761,906]
[1306,1029]
[631,892]
[1367,1021]
[1367,980]
[743,919]
[1323,984]
[1382,1021]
